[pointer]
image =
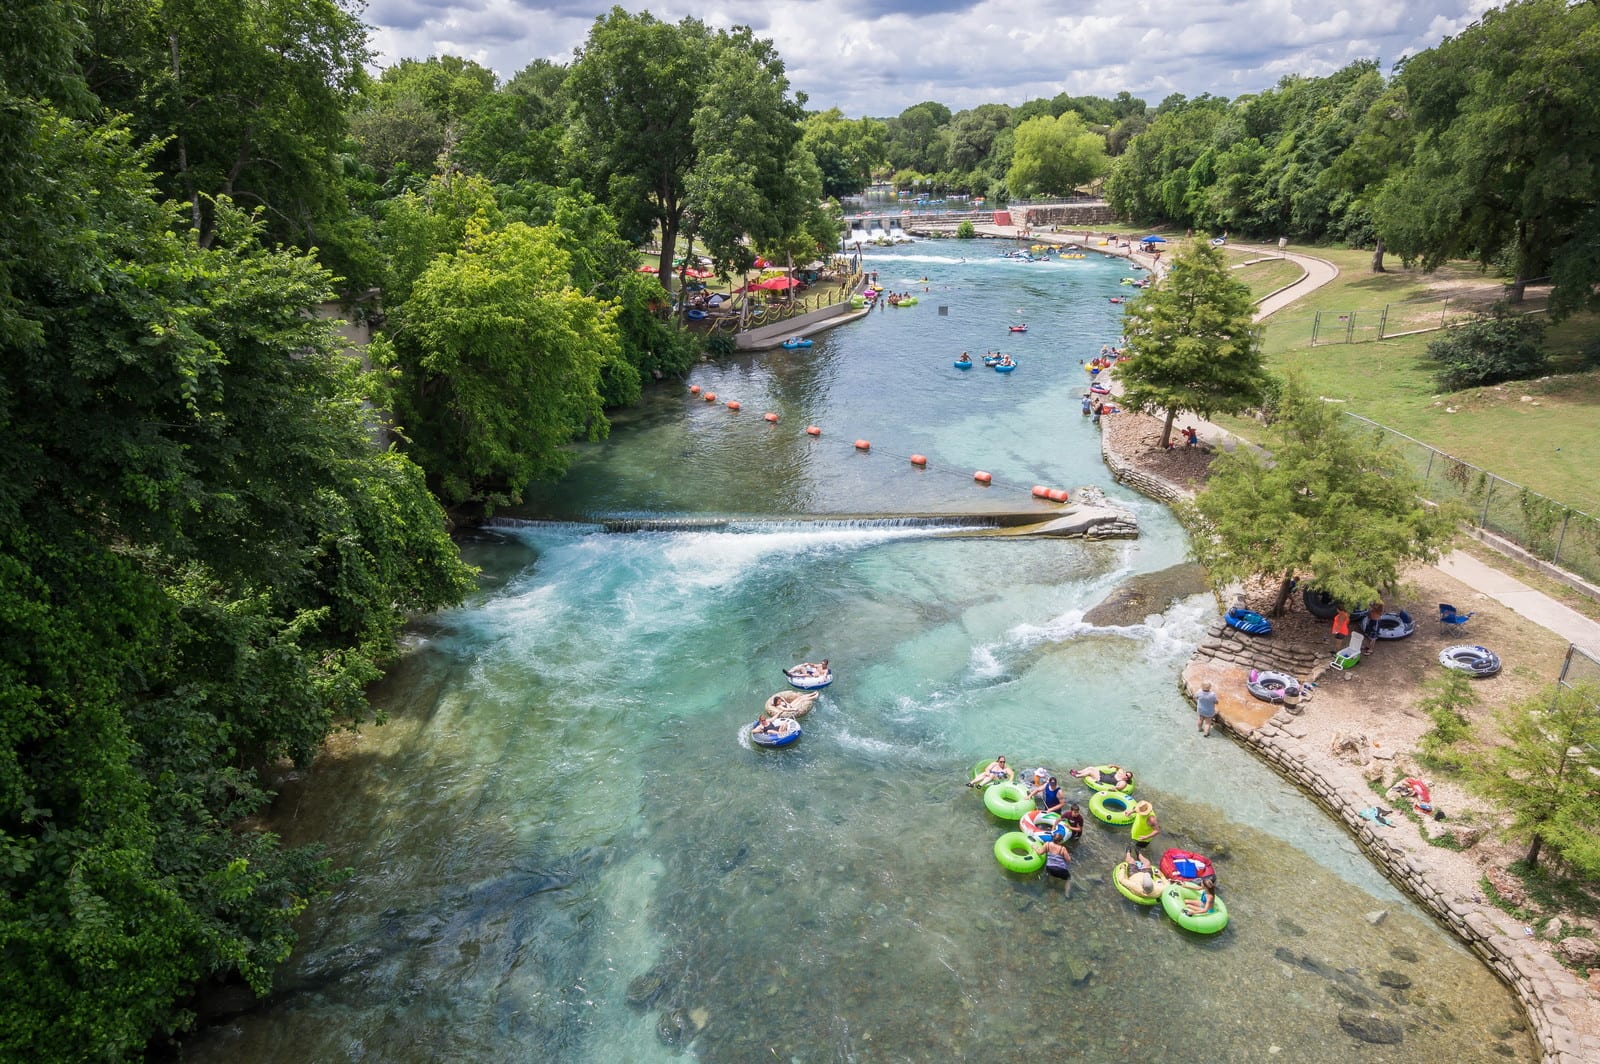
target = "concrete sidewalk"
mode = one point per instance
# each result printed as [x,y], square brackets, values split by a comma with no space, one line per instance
[1523,600]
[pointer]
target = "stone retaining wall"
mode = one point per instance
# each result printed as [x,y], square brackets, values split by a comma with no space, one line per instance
[1543,985]
[1073,214]
[1125,472]
[1545,988]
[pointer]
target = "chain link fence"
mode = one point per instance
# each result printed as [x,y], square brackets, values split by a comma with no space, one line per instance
[1540,525]
[1323,327]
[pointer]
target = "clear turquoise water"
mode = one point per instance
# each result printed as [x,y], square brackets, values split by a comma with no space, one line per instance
[563,800]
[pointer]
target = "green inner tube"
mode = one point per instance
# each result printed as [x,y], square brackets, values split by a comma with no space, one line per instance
[1008,801]
[1111,808]
[977,767]
[1091,780]
[1120,874]
[1015,853]
[1210,923]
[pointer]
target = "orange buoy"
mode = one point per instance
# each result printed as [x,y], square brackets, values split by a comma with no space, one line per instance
[1058,495]
[863,445]
[919,459]
[812,430]
[1041,492]
[694,389]
[770,416]
[981,477]
[733,404]
[710,397]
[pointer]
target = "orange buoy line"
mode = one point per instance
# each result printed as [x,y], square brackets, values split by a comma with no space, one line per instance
[920,461]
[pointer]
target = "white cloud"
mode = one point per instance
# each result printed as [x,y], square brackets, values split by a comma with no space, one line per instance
[878,57]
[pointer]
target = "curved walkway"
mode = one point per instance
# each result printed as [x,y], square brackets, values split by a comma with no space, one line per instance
[1318,272]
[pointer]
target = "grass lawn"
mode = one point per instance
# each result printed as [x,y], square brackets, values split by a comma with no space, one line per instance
[1549,443]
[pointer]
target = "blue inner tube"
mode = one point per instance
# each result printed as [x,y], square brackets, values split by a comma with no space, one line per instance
[1003,369]
[962,365]
[695,315]
[1248,622]
[769,739]
[1396,625]
[1479,661]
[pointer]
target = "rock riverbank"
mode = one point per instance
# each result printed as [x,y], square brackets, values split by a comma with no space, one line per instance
[1552,996]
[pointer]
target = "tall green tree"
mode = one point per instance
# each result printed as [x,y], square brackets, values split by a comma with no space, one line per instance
[517,134]
[1325,503]
[244,100]
[203,560]
[1192,341]
[846,150]
[1543,775]
[1055,155]
[1502,167]
[499,360]
[918,137]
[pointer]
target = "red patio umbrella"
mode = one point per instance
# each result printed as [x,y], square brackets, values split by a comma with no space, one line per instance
[778,284]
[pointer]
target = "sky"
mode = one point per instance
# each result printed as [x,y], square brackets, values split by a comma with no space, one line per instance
[878,57]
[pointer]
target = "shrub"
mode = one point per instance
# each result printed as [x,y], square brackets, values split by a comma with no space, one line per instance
[720,344]
[1489,350]
[1449,694]
[966,231]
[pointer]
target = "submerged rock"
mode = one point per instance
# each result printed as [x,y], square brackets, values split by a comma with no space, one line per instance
[644,989]
[1405,953]
[669,1026]
[1370,1027]
[1139,597]
[1393,979]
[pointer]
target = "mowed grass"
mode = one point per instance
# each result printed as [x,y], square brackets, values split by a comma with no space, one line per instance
[1549,443]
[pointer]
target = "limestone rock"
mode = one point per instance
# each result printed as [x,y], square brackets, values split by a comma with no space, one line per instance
[1370,1027]
[1350,747]
[1079,970]
[1376,917]
[1584,951]
[1394,980]
[1552,928]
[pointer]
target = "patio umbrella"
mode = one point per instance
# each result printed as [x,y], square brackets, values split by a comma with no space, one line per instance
[1154,240]
[648,269]
[778,284]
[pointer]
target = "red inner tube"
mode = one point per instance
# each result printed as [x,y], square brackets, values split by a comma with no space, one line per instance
[1193,865]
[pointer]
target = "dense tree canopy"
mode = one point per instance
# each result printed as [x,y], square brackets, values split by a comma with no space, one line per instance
[1330,505]
[1505,156]
[1054,156]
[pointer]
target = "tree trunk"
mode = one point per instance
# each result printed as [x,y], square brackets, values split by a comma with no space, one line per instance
[744,302]
[1377,257]
[788,258]
[669,244]
[1516,289]
[683,281]
[183,151]
[1532,859]
[1166,429]
[1283,592]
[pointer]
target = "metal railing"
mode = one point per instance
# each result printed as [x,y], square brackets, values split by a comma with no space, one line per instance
[1545,528]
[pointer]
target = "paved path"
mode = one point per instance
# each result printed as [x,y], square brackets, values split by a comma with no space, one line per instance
[1318,273]
[1536,606]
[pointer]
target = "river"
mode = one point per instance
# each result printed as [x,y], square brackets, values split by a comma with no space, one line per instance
[562,812]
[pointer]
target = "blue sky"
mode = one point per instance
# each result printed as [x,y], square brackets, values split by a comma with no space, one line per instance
[877,57]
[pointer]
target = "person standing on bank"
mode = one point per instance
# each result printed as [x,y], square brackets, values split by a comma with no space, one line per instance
[1205,703]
